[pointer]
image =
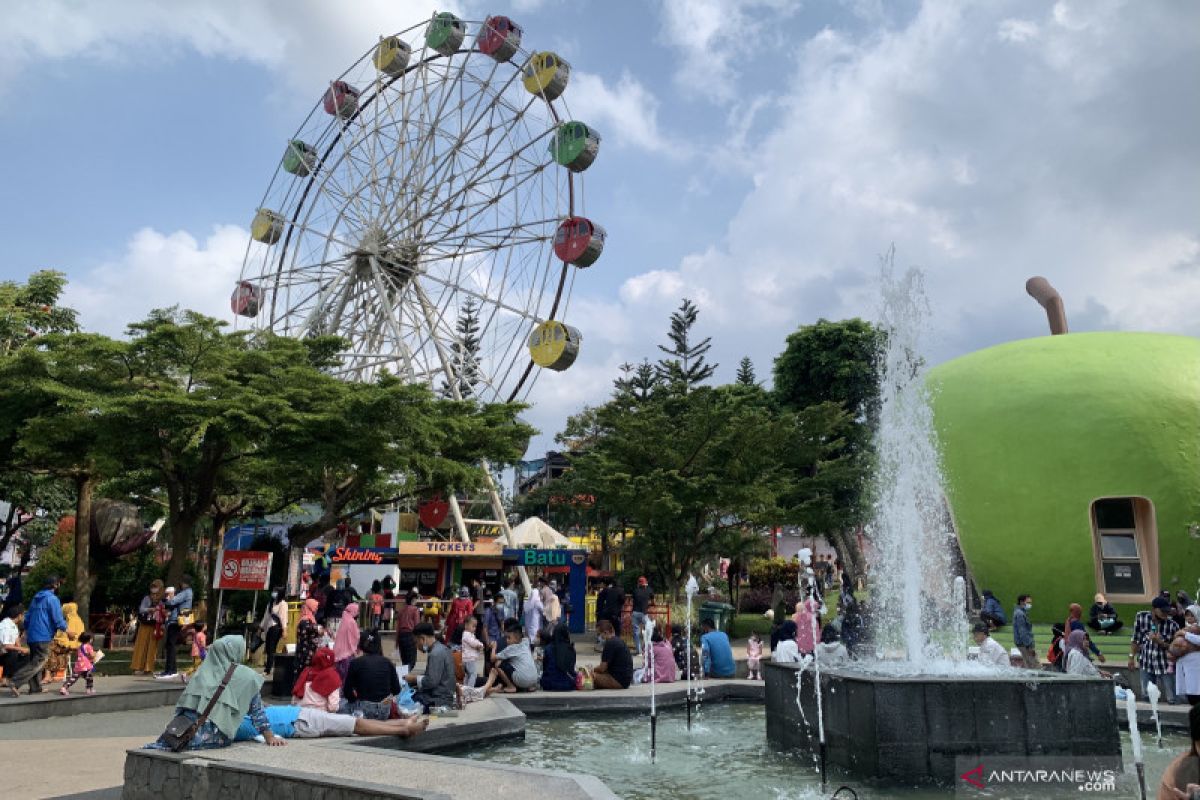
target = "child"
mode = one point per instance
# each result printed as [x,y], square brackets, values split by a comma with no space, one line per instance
[472,651]
[754,656]
[516,670]
[199,650]
[84,666]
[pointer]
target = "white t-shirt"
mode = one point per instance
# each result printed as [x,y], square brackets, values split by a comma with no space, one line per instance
[786,652]
[8,632]
[992,652]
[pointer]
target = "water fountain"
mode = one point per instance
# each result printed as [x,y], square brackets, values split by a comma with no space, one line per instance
[913,708]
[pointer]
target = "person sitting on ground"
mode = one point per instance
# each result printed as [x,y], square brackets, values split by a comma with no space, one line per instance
[320,691]
[715,651]
[1102,617]
[991,652]
[371,680]
[993,612]
[437,686]
[615,670]
[830,651]
[239,698]
[1078,659]
[786,651]
[683,652]
[1178,780]
[515,670]
[664,660]
[558,660]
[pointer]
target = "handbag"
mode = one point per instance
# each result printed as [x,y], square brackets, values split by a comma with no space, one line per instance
[182,729]
[256,641]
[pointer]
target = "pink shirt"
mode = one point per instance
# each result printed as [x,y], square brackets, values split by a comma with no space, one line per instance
[471,647]
[83,660]
[199,645]
[314,699]
[664,664]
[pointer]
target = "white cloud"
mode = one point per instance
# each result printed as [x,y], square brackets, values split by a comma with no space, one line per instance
[712,36]
[308,42]
[158,270]
[626,111]
[983,162]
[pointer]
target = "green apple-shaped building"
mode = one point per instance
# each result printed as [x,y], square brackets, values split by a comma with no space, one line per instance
[1072,466]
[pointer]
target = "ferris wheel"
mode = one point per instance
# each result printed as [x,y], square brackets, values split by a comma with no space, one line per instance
[429,212]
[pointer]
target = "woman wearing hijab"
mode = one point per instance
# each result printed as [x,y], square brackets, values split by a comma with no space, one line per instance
[462,607]
[64,644]
[272,626]
[308,633]
[558,661]
[345,645]
[1078,659]
[806,626]
[240,698]
[319,690]
[1075,623]
[1187,666]
[664,660]
[145,645]
[786,651]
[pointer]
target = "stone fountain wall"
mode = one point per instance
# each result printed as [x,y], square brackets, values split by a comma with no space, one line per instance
[914,729]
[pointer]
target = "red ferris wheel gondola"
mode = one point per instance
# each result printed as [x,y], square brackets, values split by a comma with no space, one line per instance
[579,241]
[246,299]
[499,38]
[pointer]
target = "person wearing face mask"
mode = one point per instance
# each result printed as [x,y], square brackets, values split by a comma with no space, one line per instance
[437,687]
[1023,633]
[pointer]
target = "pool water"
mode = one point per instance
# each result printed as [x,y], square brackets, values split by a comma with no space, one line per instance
[724,757]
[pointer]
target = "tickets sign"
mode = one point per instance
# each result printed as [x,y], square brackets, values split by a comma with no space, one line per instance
[243,569]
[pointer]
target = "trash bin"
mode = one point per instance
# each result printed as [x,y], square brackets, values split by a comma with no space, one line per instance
[283,676]
[720,613]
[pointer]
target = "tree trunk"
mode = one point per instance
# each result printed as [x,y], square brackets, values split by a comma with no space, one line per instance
[847,546]
[84,582]
[183,529]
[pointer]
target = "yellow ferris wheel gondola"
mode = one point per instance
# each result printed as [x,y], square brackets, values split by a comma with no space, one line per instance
[554,345]
[546,75]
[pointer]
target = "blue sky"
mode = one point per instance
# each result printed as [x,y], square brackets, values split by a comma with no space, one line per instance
[758,156]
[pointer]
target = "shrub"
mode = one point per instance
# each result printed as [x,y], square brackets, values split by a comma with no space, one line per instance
[766,572]
[758,599]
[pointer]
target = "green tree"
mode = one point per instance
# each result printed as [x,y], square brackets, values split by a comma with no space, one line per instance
[829,370]
[745,372]
[685,366]
[465,353]
[29,310]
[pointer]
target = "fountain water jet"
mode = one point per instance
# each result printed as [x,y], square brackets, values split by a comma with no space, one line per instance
[918,708]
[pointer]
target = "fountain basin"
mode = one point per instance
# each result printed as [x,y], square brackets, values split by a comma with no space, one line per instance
[923,728]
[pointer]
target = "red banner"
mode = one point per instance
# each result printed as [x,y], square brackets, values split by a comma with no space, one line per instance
[243,569]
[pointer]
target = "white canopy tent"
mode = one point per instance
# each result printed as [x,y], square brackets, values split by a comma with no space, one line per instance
[533,532]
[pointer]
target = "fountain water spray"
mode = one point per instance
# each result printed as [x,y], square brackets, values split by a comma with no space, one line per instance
[912,562]
[1135,740]
[648,664]
[805,595]
[690,589]
[1152,694]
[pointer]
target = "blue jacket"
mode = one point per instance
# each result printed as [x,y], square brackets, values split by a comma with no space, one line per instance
[180,602]
[44,617]
[1022,628]
[992,606]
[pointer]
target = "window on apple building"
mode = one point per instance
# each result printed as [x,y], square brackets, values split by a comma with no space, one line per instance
[1126,547]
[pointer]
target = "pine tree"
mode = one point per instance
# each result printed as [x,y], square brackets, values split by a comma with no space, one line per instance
[637,383]
[745,373]
[686,367]
[465,358]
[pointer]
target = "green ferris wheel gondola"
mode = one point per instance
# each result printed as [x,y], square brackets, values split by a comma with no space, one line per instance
[445,33]
[575,145]
[299,158]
